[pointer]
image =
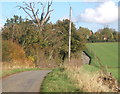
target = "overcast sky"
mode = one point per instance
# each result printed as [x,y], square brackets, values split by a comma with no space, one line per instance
[94,14]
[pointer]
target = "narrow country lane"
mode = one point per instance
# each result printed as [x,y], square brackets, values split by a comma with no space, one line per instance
[29,81]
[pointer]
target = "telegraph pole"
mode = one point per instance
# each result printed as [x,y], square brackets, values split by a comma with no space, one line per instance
[69,49]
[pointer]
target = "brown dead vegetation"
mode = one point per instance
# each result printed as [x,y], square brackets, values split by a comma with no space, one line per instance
[17,64]
[13,56]
[91,81]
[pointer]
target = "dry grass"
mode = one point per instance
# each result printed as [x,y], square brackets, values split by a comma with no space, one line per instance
[8,68]
[86,81]
[17,64]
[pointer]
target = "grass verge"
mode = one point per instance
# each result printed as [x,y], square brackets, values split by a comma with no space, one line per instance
[95,66]
[105,52]
[58,81]
[90,79]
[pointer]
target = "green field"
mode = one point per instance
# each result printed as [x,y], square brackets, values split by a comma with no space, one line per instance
[105,54]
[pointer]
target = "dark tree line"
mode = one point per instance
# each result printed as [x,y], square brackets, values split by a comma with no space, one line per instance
[45,42]
[102,35]
[51,45]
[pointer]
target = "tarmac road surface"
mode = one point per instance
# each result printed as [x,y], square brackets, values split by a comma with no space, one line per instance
[29,81]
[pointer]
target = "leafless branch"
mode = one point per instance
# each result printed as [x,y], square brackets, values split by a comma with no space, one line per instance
[47,13]
[33,4]
[40,3]
[37,12]
[26,4]
[29,9]
[20,7]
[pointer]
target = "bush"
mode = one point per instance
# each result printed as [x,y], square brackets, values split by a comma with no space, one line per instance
[11,51]
[13,56]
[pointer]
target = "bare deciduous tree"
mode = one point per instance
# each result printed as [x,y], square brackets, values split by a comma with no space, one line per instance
[35,15]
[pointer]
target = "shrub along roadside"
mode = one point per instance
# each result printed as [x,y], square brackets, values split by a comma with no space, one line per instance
[57,81]
[91,79]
